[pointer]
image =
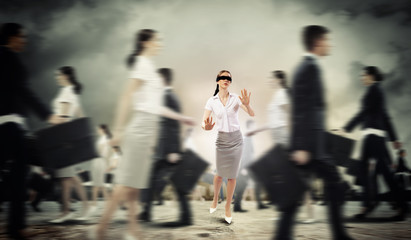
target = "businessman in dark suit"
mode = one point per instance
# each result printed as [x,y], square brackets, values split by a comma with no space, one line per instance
[376,123]
[16,99]
[308,131]
[167,155]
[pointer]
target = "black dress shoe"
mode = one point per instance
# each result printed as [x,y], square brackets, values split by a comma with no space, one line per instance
[181,223]
[262,206]
[144,216]
[239,209]
[344,237]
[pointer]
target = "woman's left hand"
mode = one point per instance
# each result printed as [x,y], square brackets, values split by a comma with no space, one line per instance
[245,98]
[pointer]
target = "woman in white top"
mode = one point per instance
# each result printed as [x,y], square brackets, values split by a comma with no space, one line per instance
[67,105]
[225,105]
[143,98]
[100,165]
[278,110]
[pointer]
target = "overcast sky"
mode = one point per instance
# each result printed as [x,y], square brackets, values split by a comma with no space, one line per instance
[249,38]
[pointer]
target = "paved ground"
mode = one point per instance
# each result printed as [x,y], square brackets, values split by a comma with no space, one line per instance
[253,225]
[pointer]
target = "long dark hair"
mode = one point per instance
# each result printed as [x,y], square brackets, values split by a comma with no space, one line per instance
[217,89]
[141,37]
[375,72]
[71,76]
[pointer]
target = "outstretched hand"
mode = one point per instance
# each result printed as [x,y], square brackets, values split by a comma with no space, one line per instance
[245,97]
[208,123]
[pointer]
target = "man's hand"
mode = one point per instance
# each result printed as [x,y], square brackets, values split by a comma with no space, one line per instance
[55,119]
[397,145]
[301,157]
[173,157]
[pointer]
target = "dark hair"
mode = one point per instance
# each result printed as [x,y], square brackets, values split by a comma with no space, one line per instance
[142,36]
[167,74]
[71,76]
[106,130]
[8,30]
[217,89]
[311,34]
[283,79]
[375,72]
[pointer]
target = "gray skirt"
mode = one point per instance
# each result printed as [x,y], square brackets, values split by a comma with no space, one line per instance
[135,166]
[228,154]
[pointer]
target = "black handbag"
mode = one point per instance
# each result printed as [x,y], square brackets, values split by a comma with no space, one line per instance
[281,178]
[188,171]
[66,144]
[340,148]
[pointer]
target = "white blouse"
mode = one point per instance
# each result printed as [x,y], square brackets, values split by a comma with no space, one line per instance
[103,146]
[66,95]
[277,117]
[226,116]
[149,97]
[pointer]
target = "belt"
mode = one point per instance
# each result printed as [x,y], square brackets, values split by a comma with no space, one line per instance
[13,118]
[369,131]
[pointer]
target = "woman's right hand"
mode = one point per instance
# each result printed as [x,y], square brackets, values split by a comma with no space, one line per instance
[208,124]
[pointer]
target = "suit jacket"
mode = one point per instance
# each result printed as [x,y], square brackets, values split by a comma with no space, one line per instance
[169,134]
[308,109]
[373,113]
[15,94]
[402,167]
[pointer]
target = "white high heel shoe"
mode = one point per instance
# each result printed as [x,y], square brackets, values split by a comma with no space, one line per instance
[228,219]
[213,210]
[64,218]
[127,236]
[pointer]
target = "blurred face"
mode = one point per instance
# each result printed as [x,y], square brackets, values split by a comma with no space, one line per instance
[322,46]
[274,82]
[367,79]
[61,79]
[154,45]
[224,83]
[18,42]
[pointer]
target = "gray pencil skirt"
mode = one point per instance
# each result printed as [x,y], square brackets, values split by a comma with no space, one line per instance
[135,166]
[229,151]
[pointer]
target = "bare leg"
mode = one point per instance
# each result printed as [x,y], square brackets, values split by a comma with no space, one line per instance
[308,205]
[106,195]
[230,192]
[131,198]
[66,184]
[95,194]
[81,192]
[217,185]
[111,206]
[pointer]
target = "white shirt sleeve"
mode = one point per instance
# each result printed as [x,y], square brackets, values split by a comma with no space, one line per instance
[282,97]
[139,70]
[208,104]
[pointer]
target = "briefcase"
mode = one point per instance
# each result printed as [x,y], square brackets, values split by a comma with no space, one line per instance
[283,181]
[67,144]
[188,171]
[340,148]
